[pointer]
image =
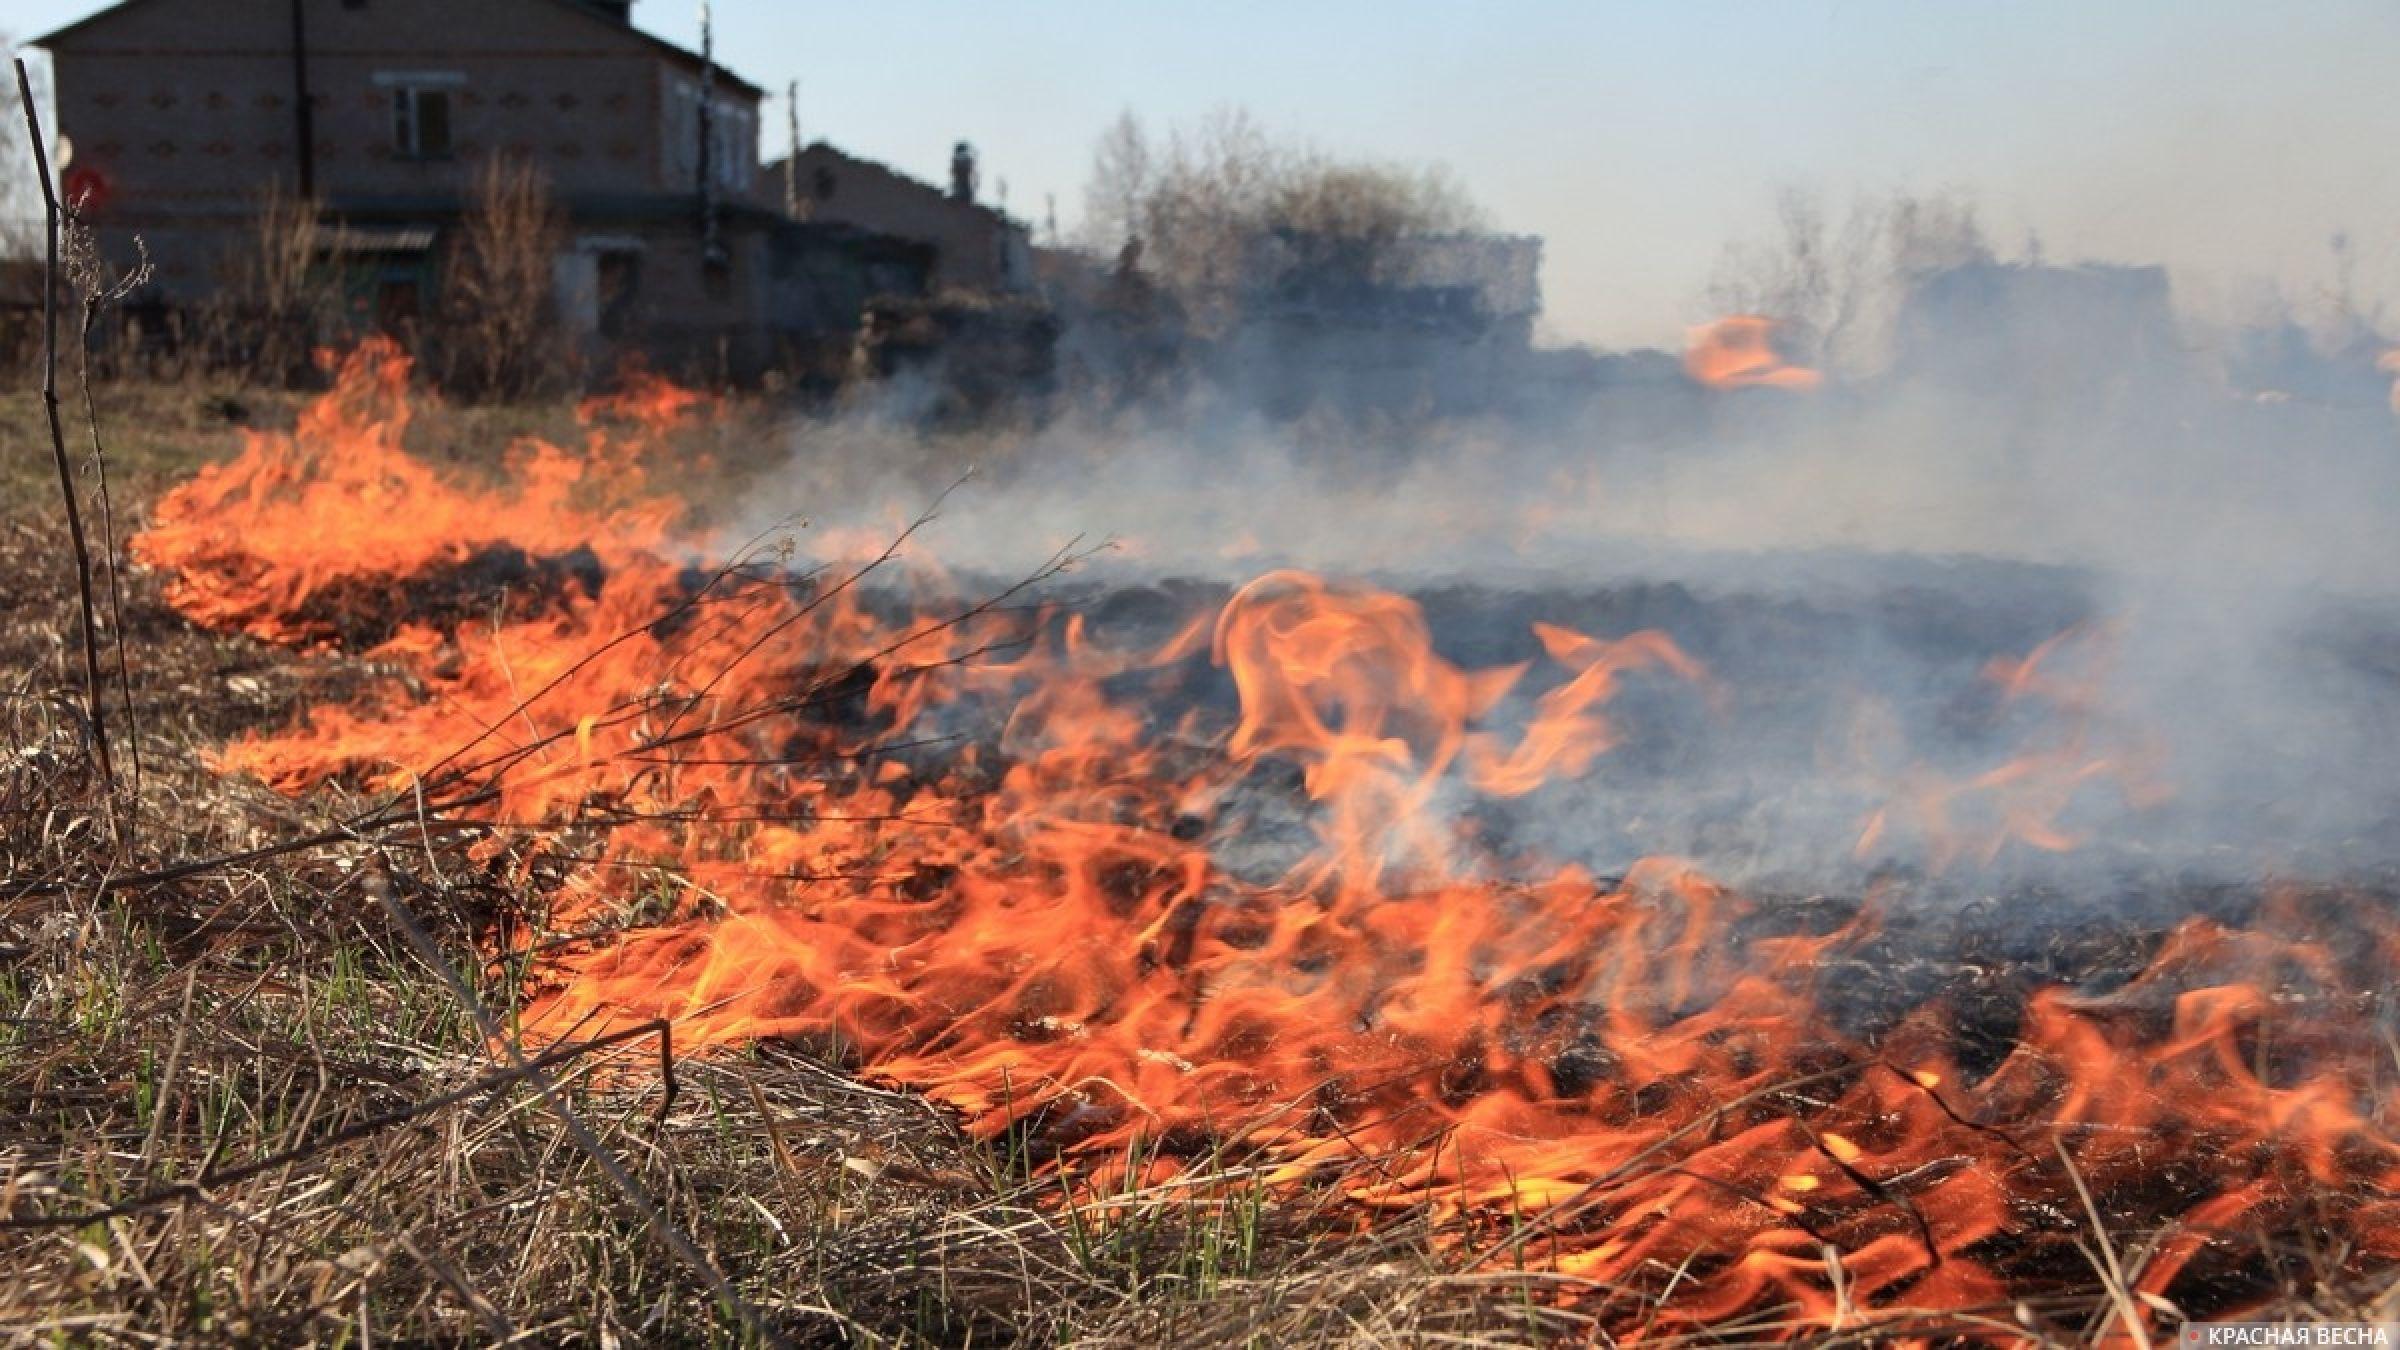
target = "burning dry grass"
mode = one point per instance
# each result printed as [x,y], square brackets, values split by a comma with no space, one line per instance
[283,1092]
[295,1133]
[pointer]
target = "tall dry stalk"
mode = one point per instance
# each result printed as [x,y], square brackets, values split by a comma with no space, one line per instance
[95,707]
[280,301]
[501,337]
[99,287]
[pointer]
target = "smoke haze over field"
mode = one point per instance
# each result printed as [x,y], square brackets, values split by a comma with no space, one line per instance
[1849,562]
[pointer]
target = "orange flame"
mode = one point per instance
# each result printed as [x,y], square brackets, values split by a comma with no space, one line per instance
[1738,352]
[2025,799]
[753,805]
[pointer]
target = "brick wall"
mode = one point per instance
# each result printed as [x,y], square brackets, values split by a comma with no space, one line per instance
[186,109]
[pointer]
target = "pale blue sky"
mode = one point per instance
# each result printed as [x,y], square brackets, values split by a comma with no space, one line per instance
[2230,140]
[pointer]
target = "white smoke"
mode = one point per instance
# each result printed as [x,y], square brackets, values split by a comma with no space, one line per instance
[2032,463]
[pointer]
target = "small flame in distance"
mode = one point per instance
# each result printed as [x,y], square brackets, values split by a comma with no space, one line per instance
[1738,352]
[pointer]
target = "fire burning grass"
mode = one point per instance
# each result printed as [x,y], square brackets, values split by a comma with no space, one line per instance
[1386,1082]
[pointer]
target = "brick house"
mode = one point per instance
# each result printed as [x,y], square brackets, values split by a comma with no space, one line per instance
[180,117]
[977,247]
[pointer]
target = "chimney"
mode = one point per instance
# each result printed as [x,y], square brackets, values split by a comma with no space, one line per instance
[615,11]
[962,173]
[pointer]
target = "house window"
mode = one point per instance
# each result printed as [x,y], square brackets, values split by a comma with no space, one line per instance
[421,101]
[421,122]
[732,131]
[733,154]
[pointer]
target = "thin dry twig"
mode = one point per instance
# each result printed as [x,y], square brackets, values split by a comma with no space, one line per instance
[95,708]
[97,291]
[2110,1270]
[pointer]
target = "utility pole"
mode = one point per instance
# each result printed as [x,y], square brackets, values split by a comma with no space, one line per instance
[712,248]
[791,160]
[304,113]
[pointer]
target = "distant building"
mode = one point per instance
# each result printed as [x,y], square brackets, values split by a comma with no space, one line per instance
[183,115]
[1474,285]
[2279,362]
[823,280]
[976,247]
[2034,327]
[1436,323]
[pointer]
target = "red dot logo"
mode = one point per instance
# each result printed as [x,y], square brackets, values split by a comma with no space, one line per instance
[86,189]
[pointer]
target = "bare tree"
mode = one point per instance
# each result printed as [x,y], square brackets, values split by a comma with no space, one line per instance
[500,332]
[1119,183]
[1222,210]
[1205,207]
[1835,288]
[1343,220]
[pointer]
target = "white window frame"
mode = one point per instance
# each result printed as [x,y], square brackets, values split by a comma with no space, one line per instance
[408,128]
[733,137]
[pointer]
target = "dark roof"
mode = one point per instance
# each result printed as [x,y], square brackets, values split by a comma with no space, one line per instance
[658,44]
[823,150]
[76,28]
